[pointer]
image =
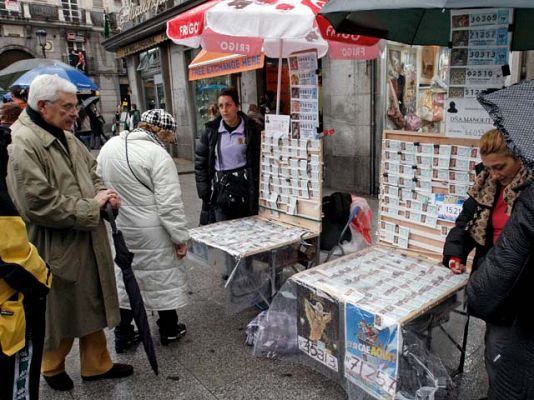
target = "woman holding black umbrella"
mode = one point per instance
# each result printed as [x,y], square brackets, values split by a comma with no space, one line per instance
[137,165]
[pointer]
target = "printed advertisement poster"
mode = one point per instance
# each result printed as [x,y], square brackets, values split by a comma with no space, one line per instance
[318,326]
[277,125]
[479,60]
[304,93]
[371,354]
[466,118]
[449,207]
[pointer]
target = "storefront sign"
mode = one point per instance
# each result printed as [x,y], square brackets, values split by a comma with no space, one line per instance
[206,65]
[141,45]
[133,11]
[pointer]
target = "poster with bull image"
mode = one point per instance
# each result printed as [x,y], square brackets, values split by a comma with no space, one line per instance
[318,326]
[371,353]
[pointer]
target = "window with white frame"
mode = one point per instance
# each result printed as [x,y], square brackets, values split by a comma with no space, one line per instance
[70,10]
[75,46]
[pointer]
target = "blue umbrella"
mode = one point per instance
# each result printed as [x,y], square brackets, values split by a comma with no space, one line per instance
[82,82]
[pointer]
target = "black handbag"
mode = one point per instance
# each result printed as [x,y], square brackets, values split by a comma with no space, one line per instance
[232,189]
[232,192]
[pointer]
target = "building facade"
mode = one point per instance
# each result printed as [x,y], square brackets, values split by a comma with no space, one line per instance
[74,31]
[158,77]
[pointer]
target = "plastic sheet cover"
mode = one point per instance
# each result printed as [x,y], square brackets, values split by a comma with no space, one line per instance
[369,356]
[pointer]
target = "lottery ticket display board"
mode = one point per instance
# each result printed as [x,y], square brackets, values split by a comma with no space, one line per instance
[424,182]
[291,166]
[304,90]
[260,234]
[351,311]
[290,177]
[251,252]
[480,48]
[290,194]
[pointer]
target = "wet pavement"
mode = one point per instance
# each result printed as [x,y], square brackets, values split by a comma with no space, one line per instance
[212,361]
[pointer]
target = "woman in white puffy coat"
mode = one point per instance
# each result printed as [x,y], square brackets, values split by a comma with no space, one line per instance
[137,165]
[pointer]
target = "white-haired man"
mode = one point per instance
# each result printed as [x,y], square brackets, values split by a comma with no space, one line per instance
[53,182]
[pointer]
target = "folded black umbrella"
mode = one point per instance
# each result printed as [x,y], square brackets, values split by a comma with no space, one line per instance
[512,111]
[124,258]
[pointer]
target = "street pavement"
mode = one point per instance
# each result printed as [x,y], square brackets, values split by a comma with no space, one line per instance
[212,361]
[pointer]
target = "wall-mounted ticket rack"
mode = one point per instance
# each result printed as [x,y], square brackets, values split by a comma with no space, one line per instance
[424,182]
[291,176]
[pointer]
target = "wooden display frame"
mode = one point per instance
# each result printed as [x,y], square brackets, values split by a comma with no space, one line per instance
[309,210]
[422,239]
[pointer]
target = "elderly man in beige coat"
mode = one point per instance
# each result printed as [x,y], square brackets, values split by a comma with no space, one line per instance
[53,182]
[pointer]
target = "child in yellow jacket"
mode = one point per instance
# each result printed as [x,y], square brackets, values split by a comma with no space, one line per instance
[24,283]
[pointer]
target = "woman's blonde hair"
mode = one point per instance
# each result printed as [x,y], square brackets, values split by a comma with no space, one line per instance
[164,134]
[493,142]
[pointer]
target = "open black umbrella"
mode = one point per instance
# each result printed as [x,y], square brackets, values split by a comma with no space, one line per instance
[423,22]
[124,258]
[511,110]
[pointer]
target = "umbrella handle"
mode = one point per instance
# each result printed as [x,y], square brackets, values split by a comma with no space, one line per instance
[111,217]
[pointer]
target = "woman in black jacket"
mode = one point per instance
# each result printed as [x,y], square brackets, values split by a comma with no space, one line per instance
[499,290]
[484,215]
[227,159]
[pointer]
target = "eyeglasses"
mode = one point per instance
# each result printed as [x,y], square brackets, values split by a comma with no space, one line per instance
[69,107]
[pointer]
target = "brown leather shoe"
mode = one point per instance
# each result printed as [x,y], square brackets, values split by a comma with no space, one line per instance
[61,381]
[117,371]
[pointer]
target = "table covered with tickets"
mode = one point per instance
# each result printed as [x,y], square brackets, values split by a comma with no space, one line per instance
[360,320]
[249,253]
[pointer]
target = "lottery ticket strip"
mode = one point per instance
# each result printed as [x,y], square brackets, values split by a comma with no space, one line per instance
[351,318]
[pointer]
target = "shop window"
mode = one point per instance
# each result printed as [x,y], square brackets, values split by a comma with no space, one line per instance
[417,82]
[70,10]
[149,61]
[206,94]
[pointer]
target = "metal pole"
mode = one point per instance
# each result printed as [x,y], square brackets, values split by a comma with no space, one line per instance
[279,82]
[44,51]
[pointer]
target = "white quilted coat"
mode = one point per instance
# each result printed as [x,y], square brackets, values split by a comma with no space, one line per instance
[151,221]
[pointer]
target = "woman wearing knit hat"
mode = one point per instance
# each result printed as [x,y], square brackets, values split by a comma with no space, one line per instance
[137,165]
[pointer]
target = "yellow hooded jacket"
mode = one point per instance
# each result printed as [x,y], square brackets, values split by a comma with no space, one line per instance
[22,273]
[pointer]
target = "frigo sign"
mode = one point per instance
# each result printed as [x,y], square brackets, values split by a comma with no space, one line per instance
[133,11]
[190,29]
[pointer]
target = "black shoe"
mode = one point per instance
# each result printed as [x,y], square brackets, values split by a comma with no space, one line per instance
[166,339]
[61,382]
[126,342]
[117,371]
